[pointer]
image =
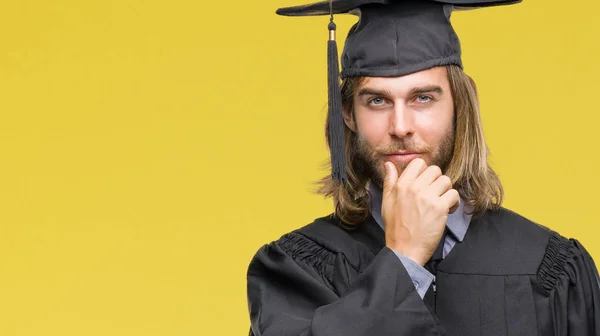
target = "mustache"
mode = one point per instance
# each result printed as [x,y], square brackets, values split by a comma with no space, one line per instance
[402,145]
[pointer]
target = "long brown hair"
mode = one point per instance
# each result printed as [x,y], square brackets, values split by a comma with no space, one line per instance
[471,175]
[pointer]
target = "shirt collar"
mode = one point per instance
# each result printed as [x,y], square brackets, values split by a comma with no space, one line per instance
[457,223]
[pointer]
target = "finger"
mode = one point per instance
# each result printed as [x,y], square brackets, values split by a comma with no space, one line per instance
[455,207]
[450,199]
[441,184]
[413,170]
[391,176]
[427,177]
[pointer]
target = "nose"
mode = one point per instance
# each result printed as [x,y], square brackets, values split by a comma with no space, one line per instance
[402,121]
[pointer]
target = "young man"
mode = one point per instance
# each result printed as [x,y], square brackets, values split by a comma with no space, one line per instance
[419,243]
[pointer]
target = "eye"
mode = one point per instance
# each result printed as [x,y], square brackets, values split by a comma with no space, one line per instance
[377,101]
[424,99]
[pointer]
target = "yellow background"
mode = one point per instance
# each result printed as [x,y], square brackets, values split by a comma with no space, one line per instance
[149,148]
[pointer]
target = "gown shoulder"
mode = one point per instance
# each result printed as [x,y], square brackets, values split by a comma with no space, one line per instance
[324,280]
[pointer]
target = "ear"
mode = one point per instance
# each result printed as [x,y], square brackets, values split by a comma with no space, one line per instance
[349,119]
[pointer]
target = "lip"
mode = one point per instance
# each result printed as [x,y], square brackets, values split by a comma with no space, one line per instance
[402,156]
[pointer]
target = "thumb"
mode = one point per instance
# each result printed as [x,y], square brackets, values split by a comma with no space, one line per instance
[391,176]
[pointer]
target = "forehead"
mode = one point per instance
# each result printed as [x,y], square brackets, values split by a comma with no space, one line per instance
[437,76]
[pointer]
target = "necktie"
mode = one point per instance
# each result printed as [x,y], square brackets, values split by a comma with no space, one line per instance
[431,266]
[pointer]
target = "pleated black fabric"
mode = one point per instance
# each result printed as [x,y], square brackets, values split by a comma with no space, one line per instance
[509,276]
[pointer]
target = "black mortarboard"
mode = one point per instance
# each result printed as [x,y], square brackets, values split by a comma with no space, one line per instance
[392,38]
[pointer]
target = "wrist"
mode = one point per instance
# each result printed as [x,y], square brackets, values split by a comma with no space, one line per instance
[419,258]
[416,255]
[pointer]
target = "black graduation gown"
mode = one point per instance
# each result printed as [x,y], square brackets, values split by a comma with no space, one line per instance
[509,276]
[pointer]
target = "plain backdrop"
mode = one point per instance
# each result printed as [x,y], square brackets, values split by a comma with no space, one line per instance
[149,148]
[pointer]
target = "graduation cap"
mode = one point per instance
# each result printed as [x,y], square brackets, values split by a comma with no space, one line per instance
[392,38]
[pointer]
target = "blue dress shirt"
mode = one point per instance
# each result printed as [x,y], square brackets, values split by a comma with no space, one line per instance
[457,223]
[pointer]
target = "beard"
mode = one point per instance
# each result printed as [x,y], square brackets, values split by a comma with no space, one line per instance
[372,163]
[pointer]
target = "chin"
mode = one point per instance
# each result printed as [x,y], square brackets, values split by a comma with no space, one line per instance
[400,166]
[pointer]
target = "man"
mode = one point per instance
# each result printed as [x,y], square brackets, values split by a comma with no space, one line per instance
[419,243]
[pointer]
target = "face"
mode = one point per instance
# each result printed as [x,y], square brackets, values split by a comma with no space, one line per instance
[398,119]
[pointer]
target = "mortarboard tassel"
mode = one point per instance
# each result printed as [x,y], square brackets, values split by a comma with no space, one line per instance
[335,117]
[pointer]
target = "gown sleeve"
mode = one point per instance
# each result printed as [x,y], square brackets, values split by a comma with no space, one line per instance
[571,290]
[291,293]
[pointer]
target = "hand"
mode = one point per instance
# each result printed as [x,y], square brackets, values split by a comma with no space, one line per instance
[415,208]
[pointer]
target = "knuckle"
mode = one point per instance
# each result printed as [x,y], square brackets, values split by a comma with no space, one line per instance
[453,196]
[456,195]
[400,185]
[419,162]
[445,180]
[439,207]
[435,169]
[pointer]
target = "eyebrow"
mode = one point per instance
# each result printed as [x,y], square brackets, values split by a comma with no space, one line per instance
[427,89]
[373,92]
[416,90]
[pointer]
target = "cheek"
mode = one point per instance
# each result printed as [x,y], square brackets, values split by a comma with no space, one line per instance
[433,126]
[372,127]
